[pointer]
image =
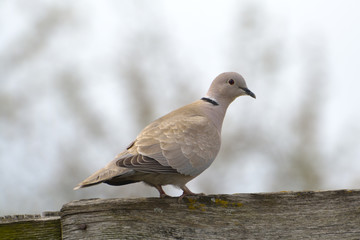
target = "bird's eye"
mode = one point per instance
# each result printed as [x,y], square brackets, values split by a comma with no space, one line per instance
[231,82]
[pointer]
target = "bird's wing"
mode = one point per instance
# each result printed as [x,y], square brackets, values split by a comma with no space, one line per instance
[144,164]
[186,145]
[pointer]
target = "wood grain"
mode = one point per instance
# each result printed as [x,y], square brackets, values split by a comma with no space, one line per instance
[285,215]
[46,226]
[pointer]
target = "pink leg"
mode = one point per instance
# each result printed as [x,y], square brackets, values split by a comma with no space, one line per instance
[187,192]
[161,191]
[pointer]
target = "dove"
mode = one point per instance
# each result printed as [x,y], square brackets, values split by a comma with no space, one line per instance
[177,147]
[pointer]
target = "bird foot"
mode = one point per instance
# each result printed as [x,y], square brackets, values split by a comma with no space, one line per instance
[162,192]
[189,195]
[164,195]
[187,192]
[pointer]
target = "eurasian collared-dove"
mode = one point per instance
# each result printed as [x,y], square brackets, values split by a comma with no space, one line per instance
[177,147]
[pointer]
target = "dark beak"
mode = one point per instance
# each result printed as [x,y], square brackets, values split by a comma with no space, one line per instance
[250,93]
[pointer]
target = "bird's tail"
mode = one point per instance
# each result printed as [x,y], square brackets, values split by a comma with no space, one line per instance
[105,174]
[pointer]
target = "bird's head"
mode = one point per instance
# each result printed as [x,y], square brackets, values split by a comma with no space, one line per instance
[227,86]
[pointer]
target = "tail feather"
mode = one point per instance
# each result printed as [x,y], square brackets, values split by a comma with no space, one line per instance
[105,174]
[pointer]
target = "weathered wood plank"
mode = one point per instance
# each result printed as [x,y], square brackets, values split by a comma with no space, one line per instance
[30,227]
[287,215]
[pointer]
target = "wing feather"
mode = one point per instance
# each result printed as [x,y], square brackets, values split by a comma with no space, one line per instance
[188,145]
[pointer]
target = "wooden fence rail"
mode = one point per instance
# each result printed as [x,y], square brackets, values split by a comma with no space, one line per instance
[285,215]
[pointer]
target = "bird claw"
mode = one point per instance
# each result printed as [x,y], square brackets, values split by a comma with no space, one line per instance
[161,191]
[164,195]
[187,192]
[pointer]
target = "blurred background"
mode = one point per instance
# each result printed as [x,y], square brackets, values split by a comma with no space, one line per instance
[80,79]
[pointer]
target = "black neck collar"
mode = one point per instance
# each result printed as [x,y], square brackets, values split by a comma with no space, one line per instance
[209,100]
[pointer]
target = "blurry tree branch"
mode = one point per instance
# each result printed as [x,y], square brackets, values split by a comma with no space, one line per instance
[31,43]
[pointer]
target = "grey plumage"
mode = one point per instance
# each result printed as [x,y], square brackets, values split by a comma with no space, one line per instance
[178,146]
